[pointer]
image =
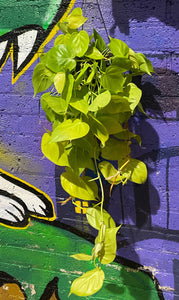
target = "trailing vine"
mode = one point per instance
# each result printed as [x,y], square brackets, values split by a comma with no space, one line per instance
[91,100]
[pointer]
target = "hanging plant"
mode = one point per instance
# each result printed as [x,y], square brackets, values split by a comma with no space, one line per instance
[91,100]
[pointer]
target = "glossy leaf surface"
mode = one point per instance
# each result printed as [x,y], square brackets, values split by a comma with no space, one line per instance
[69,130]
[89,283]
[96,217]
[77,187]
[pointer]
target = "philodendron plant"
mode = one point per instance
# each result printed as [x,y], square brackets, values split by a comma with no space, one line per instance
[91,100]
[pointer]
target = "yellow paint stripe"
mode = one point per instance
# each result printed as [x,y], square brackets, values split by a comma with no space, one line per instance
[13,227]
[7,56]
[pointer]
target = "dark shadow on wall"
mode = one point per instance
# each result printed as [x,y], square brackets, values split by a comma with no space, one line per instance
[176,278]
[145,196]
[124,11]
[157,106]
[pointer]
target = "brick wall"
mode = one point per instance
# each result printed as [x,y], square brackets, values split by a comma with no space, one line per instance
[149,212]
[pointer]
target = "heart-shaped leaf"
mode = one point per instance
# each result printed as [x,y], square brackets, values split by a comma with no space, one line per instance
[60,58]
[69,130]
[118,48]
[137,171]
[100,101]
[88,284]
[110,173]
[115,149]
[94,53]
[108,252]
[76,18]
[42,78]
[57,104]
[113,80]
[77,187]
[79,41]
[96,218]
[59,81]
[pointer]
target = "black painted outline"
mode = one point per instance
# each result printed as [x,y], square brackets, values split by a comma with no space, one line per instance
[49,211]
[51,288]
[6,278]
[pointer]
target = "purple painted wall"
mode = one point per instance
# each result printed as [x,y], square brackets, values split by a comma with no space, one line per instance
[149,212]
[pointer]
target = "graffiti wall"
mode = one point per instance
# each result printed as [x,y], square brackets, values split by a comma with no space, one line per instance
[30,192]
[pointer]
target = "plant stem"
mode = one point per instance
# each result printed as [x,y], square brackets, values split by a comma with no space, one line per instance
[101,185]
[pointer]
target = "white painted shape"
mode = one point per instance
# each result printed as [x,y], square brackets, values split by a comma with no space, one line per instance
[2,48]
[26,42]
[32,201]
[8,204]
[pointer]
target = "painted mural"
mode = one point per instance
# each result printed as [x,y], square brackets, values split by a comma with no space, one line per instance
[50,276]
[26,29]
[19,201]
[35,263]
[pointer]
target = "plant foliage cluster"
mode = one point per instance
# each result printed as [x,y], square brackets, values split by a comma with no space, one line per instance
[91,99]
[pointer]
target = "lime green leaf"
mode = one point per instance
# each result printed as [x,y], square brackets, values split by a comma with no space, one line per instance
[94,53]
[127,135]
[51,151]
[80,104]
[77,11]
[79,41]
[111,174]
[82,256]
[42,78]
[68,89]
[140,108]
[54,151]
[63,27]
[108,253]
[113,80]
[63,160]
[62,39]
[115,107]
[96,219]
[123,63]
[80,158]
[88,284]
[69,130]
[81,75]
[118,48]
[137,171]
[91,76]
[88,143]
[60,58]
[76,19]
[77,187]
[115,149]
[59,81]
[144,63]
[98,129]
[97,248]
[134,95]
[50,114]
[100,101]
[100,43]
[111,124]
[124,102]
[57,104]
